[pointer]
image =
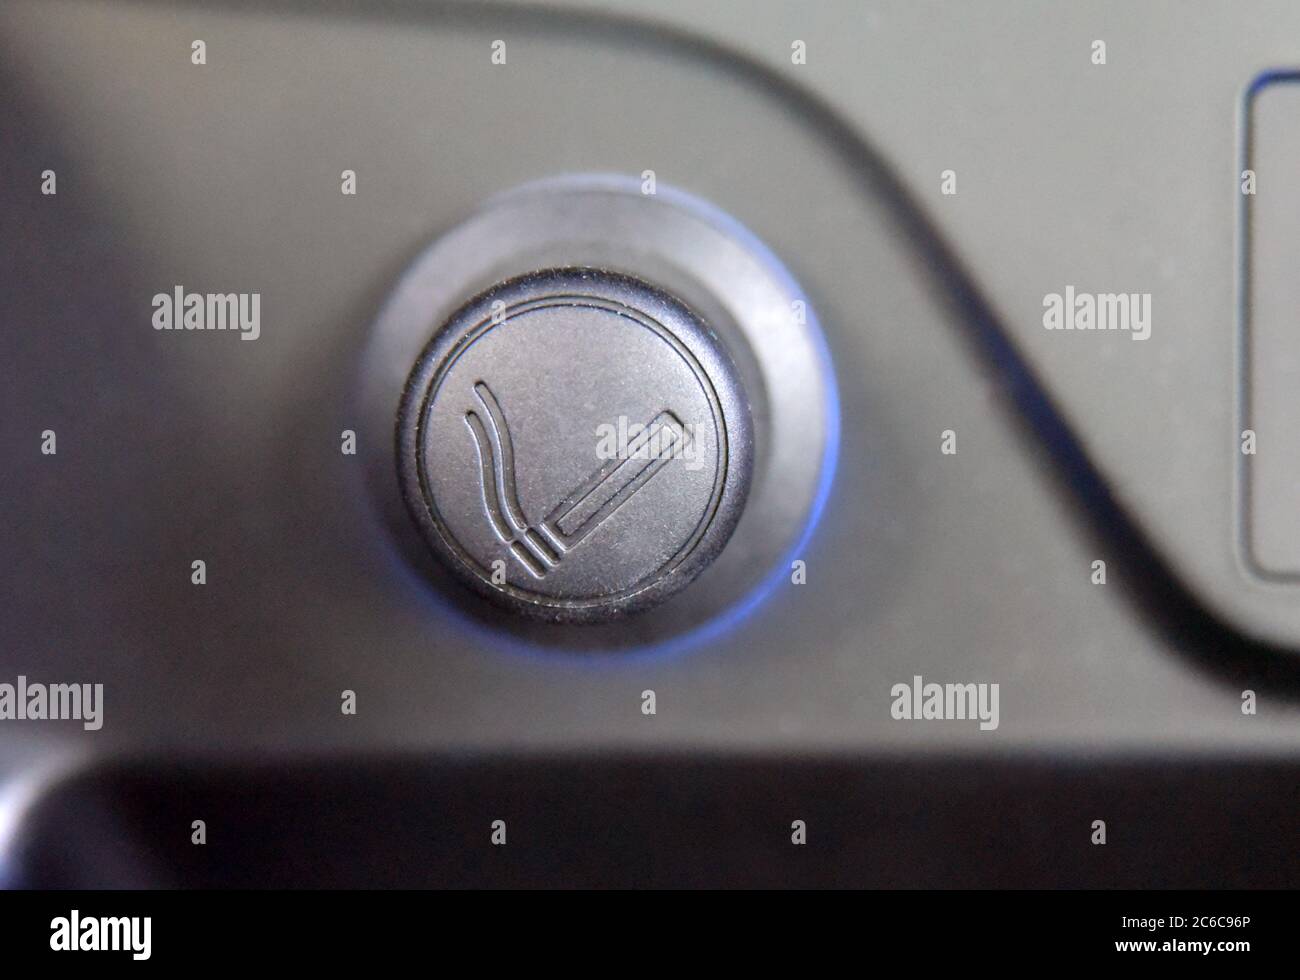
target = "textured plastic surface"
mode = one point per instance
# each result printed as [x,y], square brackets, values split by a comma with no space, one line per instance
[973,567]
[622,465]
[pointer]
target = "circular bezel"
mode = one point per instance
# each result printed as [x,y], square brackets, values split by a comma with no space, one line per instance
[690,250]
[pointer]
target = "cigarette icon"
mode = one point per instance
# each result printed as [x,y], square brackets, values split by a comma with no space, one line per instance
[540,547]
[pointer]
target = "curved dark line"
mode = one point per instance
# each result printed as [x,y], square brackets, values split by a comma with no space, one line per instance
[506,461]
[487,460]
[1197,631]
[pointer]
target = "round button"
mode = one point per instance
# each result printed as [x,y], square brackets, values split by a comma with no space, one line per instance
[575,444]
[656,317]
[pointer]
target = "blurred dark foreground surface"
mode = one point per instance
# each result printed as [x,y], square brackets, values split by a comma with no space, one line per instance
[608,822]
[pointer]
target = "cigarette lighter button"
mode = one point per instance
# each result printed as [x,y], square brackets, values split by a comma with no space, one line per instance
[575,444]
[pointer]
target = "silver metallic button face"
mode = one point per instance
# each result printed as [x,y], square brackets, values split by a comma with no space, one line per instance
[575,444]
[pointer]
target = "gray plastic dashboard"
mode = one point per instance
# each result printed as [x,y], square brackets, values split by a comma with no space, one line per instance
[929,175]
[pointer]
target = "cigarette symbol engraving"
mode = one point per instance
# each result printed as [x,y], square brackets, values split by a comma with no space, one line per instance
[542,546]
